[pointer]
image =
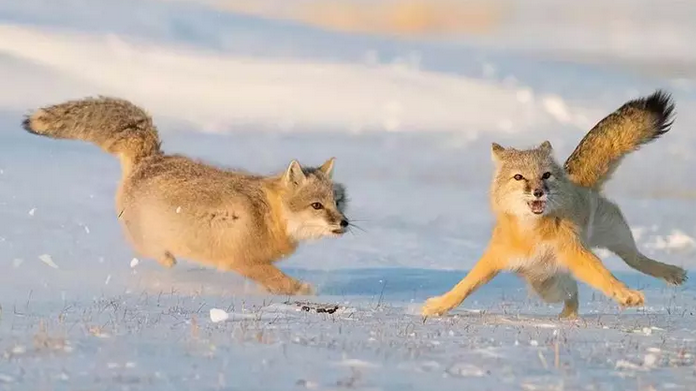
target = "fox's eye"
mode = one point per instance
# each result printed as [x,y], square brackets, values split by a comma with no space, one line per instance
[546,175]
[518,177]
[317,205]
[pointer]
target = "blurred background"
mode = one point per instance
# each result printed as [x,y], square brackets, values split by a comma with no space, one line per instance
[408,95]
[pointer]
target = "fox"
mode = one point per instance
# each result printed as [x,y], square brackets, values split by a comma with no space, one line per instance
[548,217]
[171,206]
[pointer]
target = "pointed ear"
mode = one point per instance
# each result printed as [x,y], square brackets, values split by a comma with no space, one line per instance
[294,175]
[496,152]
[327,167]
[546,147]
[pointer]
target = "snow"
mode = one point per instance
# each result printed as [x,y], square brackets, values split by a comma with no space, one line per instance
[218,315]
[410,120]
[45,258]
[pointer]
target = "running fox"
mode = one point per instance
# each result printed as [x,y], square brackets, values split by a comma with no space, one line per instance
[172,206]
[548,217]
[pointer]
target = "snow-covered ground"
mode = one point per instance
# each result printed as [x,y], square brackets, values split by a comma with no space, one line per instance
[410,121]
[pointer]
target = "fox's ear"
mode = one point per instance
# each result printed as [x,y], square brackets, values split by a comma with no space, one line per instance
[294,175]
[497,152]
[546,147]
[327,167]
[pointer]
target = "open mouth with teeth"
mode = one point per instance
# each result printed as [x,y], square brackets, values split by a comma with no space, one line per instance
[537,207]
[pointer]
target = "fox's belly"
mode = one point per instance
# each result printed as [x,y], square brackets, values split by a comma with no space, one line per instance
[187,233]
[543,266]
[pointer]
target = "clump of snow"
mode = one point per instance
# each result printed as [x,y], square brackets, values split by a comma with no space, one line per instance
[625,364]
[19,349]
[218,315]
[357,363]
[45,258]
[134,262]
[465,370]
[649,360]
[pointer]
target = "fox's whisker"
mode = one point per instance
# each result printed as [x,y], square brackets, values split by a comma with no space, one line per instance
[351,225]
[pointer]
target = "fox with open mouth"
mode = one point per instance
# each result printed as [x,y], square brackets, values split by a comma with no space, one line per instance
[549,217]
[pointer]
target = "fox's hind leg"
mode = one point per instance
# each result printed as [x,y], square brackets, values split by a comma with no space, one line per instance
[153,251]
[167,260]
[142,244]
[164,258]
[558,288]
[611,231]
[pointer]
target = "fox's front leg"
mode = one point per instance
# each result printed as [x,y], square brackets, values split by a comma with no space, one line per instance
[273,279]
[588,268]
[484,271]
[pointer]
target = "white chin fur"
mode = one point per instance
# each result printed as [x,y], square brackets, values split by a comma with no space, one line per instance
[306,235]
[521,209]
[303,232]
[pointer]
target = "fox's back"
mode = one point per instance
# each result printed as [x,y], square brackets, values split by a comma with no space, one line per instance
[178,181]
[195,209]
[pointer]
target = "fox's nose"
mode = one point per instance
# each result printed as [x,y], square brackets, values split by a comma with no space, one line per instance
[344,223]
[538,193]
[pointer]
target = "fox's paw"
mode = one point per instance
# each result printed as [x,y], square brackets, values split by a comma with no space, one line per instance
[435,306]
[296,288]
[305,289]
[674,275]
[630,298]
[570,310]
[568,313]
[167,260]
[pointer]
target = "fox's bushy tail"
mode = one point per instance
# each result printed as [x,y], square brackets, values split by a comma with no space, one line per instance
[115,125]
[634,124]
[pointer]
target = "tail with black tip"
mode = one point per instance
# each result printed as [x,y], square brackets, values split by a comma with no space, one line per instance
[634,124]
[115,125]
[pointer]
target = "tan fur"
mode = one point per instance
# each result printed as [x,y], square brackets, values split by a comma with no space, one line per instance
[172,206]
[634,124]
[115,125]
[551,248]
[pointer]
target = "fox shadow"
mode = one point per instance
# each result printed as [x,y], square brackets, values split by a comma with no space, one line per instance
[424,283]
[505,296]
